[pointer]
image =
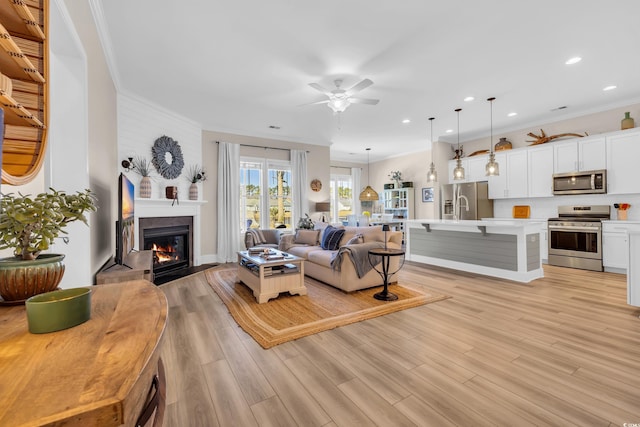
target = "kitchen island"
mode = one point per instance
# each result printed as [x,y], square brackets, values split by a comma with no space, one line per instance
[504,249]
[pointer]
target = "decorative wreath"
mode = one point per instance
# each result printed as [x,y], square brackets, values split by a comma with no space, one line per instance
[162,146]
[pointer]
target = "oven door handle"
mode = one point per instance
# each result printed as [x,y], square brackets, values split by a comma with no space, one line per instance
[569,229]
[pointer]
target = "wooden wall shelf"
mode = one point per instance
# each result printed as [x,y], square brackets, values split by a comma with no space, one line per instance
[24,59]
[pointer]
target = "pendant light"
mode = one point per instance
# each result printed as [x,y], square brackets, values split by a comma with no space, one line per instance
[458,172]
[432,175]
[492,168]
[368,194]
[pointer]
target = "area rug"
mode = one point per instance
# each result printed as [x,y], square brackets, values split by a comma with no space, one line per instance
[289,317]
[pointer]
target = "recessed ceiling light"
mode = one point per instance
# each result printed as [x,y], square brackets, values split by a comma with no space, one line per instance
[612,87]
[573,60]
[512,114]
[469,99]
[406,121]
[449,131]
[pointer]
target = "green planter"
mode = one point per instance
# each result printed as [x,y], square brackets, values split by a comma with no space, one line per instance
[21,279]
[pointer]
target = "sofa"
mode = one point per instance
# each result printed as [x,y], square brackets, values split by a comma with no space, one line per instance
[307,244]
[266,238]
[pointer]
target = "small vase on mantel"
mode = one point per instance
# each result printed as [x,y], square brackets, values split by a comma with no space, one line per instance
[145,188]
[627,122]
[193,191]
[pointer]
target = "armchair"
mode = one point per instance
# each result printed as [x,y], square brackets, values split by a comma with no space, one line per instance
[268,238]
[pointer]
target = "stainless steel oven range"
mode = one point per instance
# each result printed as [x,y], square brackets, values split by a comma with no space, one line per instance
[575,237]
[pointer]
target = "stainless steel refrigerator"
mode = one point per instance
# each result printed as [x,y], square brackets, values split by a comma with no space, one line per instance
[468,200]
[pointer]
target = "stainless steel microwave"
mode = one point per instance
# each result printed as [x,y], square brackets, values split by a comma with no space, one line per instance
[584,182]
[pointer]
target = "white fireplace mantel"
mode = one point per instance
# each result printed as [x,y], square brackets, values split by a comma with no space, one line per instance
[154,208]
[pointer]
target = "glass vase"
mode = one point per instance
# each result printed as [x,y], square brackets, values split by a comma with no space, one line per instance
[627,122]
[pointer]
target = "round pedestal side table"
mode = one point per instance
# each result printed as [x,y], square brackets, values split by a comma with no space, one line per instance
[386,254]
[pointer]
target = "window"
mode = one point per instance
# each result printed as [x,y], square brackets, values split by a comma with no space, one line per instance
[341,190]
[265,193]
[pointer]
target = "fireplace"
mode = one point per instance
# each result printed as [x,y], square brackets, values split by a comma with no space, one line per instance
[171,240]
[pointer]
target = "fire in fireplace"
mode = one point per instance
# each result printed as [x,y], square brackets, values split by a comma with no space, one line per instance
[170,242]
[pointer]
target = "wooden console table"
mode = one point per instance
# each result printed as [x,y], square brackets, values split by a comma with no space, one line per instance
[139,266]
[99,373]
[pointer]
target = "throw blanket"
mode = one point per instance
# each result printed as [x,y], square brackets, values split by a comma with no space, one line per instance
[359,255]
[257,236]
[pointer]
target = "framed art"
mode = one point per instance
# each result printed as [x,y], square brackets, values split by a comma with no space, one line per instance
[427,194]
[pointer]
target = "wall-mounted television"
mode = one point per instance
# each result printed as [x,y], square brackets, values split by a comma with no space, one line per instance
[125,226]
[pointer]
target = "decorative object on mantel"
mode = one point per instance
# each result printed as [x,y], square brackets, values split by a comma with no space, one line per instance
[316,185]
[167,157]
[622,210]
[627,122]
[503,144]
[171,192]
[29,225]
[142,167]
[196,174]
[543,138]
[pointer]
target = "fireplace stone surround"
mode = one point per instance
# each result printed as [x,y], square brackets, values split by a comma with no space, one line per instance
[163,208]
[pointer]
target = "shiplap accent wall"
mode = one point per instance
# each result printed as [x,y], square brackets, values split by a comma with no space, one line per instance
[467,247]
[140,123]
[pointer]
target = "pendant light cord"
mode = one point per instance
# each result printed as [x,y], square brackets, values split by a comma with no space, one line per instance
[491,127]
[458,111]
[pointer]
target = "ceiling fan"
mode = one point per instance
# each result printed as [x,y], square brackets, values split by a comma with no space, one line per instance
[340,99]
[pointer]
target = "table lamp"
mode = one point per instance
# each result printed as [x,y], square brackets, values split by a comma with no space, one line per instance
[323,207]
[385,228]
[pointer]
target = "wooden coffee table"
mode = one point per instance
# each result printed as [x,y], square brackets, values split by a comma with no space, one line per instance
[269,276]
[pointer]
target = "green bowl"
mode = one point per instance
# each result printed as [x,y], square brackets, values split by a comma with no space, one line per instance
[57,310]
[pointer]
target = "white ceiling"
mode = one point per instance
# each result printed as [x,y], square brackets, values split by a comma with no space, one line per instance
[241,66]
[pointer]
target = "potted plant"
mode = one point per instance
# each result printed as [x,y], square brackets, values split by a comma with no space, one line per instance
[29,225]
[142,166]
[195,174]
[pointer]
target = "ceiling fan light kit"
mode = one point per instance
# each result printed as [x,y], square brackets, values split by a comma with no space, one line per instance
[340,99]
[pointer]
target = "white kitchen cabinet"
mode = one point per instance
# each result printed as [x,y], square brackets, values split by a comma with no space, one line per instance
[633,274]
[623,152]
[580,154]
[513,180]
[476,168]
[615,251]
[540,170]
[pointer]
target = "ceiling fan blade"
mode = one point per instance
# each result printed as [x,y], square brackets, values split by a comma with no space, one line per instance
[364,101]
[319,88]
[326,101]
[358,87]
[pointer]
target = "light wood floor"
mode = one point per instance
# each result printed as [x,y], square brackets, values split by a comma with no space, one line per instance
[561,351]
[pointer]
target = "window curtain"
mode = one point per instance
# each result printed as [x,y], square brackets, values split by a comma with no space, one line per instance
[228,201]
[299,185]
[356,174]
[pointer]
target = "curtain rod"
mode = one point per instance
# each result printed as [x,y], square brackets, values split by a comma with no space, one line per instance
[266,148]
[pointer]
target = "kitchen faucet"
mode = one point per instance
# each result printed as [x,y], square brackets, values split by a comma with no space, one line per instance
[458,206]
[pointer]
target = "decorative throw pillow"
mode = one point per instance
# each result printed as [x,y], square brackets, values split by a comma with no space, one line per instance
[358,238]
[307,237]
[331,238]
